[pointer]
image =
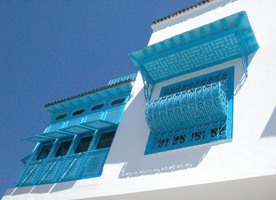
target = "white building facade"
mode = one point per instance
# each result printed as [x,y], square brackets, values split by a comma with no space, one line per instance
[197,122]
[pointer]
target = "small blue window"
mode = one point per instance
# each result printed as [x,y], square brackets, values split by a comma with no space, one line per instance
[44,152]
[106,140]
[63,148]
[83,144]
[97,107]
[62,116]
[78,112]
[118,101]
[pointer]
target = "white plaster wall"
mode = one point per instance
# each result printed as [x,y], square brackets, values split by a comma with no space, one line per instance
[251,152]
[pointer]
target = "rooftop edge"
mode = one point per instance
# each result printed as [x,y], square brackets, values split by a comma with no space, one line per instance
[89,92]
[155,22]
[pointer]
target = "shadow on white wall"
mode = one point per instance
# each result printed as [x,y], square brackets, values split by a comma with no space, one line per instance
[269,130]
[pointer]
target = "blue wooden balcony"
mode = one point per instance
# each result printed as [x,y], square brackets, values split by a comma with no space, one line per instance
[76,143]
[71,167]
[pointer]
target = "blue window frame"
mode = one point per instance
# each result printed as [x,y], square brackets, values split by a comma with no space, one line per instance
[63,148]
[97,107]
[83,144]
[191,112]
[62,116]
[78,112]
[45,150]
[118,101]
[106,140]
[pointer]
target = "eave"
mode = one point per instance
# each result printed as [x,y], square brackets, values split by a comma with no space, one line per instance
[214,43]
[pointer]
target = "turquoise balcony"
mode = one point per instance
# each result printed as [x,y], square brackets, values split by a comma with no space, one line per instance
[76,143]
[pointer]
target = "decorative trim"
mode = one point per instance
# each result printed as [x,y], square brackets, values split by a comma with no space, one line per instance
[122,88]
[199,4]
[123,78]
[201,105]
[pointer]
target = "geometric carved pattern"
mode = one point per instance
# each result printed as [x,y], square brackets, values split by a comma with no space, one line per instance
[211,44]
[191,112]
[191,59]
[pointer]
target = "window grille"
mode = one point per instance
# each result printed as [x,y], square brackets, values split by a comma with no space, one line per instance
[191,112]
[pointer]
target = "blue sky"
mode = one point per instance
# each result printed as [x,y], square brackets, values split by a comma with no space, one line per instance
[50,50]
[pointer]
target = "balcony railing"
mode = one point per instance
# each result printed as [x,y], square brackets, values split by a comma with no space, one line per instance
[65,168]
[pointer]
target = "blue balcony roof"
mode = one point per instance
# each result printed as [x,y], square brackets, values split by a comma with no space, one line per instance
[39,138]
[117,88]
[63,133]
[220,41]
[95,121]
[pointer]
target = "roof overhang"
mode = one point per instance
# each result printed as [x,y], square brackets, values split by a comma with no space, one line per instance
[94,122]
[123,87]
[220,41]
[63,133]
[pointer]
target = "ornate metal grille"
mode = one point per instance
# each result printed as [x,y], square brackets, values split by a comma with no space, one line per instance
[192,112]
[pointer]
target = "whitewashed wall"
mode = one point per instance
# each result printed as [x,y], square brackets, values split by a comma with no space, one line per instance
[251,153]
